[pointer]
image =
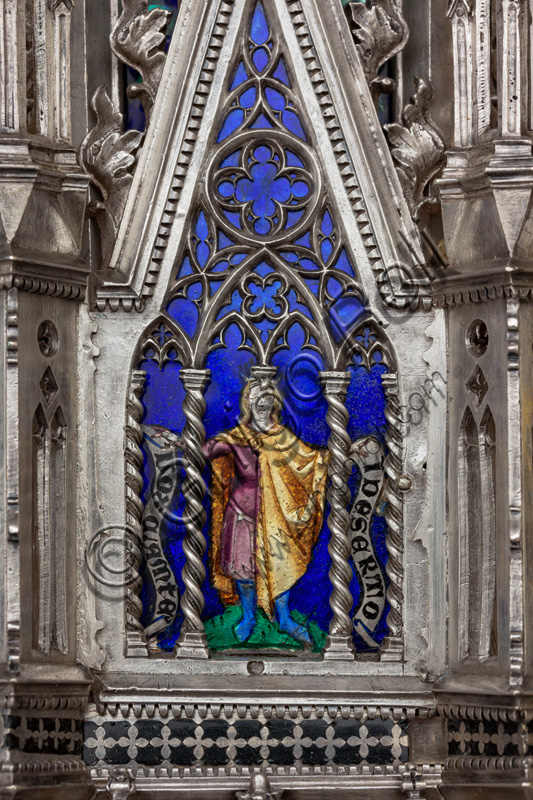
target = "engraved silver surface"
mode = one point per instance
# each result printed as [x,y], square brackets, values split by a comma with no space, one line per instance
[451,688]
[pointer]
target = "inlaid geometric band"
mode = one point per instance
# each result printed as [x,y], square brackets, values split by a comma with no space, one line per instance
[219,743]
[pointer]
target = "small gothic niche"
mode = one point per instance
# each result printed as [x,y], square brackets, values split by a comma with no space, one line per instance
[47,338]
[477,504]
[58,520]
[41,533]
[49,527]
[488,633]
[477,386]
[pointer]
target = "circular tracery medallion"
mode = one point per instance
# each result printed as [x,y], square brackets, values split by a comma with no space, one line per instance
[263,188]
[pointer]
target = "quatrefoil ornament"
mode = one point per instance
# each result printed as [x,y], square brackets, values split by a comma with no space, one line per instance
[263,190]
[264,297]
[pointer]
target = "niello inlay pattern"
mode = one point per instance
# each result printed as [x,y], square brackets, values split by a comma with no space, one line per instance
[244,742]
[487,738]
[41,735]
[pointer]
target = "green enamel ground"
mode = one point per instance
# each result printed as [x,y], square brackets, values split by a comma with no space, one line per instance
[221,636]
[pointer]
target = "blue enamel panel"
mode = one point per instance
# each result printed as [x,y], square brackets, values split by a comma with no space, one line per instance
[304,413]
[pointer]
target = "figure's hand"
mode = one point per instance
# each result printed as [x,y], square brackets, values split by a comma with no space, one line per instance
[169,438]
[179,443]
[368,446]
[158,431]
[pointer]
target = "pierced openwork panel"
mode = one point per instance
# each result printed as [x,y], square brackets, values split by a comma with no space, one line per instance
[262,249]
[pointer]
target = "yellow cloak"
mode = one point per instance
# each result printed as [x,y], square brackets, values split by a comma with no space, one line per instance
[292,488]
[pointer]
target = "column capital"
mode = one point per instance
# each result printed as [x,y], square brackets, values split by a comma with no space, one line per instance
[195,378]
[263,373]
[138,379]
[389,382]
[335,382]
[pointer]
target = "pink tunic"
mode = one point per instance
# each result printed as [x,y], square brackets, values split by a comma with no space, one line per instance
[237,553]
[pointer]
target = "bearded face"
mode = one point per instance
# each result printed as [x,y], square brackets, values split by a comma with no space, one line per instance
[261,405]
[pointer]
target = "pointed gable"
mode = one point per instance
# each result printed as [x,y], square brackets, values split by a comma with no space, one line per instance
[265,129]
[263,217]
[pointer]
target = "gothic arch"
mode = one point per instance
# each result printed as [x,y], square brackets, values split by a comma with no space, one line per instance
[164,342]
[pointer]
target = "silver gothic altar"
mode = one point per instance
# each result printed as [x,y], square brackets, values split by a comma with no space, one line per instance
[267,456]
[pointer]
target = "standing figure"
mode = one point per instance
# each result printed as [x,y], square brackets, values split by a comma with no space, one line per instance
[268,497]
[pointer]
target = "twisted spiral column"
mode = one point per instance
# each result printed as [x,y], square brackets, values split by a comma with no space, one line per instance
[135,636]
[193,642]
[339,644]
[392,648]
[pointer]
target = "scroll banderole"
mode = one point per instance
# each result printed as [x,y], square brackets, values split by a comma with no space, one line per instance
[165,485]
[373,601]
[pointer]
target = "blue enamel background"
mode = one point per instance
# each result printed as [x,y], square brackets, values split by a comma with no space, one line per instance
[366,404]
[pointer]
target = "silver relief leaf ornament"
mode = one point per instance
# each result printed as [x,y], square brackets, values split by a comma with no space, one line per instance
[380,32]
[138,39]
[417,147]
[107,154]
